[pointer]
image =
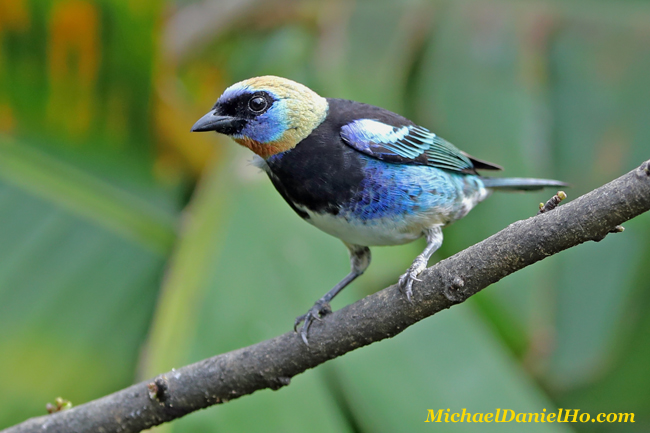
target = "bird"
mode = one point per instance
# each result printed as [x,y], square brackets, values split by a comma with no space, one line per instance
[361,173]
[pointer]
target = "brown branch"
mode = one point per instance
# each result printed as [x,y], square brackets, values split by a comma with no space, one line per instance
[272,363]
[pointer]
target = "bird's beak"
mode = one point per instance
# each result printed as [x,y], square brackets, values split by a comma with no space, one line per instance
[223,124]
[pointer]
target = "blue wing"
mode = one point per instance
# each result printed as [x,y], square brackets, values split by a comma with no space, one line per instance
[408,144]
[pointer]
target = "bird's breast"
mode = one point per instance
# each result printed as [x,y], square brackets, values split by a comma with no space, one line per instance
[318,174]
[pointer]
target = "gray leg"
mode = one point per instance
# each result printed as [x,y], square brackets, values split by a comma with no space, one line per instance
[434,240]
[359,261]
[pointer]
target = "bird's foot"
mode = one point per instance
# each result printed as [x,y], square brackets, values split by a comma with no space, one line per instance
[317,312]
[406,280]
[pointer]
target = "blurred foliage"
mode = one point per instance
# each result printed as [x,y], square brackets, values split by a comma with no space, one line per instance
[109,273]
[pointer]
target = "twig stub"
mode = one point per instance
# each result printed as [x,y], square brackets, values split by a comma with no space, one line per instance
[552,202]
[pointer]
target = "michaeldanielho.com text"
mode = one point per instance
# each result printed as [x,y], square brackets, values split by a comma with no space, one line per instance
[509,415]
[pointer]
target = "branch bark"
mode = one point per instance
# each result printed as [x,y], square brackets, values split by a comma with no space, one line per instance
[272,363]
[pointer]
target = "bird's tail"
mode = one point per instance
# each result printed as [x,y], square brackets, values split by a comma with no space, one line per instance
[520,183]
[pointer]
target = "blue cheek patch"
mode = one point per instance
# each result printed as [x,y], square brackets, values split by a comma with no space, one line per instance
[269,126]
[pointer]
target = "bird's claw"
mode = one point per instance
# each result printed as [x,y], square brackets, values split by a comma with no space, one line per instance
[406,280]
[317,312]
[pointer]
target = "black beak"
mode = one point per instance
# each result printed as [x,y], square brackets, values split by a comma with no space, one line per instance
[223,124]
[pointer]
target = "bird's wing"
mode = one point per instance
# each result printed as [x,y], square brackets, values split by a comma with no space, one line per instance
[408,144]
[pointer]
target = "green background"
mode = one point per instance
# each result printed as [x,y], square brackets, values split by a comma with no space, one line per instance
[129,246]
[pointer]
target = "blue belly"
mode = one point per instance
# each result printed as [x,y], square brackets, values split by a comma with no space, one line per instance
[402,191]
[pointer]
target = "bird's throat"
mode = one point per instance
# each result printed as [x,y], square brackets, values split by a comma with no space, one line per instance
[265,150]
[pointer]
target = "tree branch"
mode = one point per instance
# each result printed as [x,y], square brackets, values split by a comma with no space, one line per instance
[271,363]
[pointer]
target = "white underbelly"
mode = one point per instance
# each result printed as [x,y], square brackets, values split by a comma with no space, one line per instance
[376,232]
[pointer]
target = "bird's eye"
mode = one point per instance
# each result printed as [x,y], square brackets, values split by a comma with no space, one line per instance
[257,104]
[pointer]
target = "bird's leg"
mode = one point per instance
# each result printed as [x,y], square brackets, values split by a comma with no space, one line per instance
[359,261]
[434,240]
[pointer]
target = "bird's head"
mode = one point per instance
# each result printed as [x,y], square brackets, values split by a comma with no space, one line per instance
[269,115]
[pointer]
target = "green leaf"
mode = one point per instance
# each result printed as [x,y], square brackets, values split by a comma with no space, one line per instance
[86,195]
